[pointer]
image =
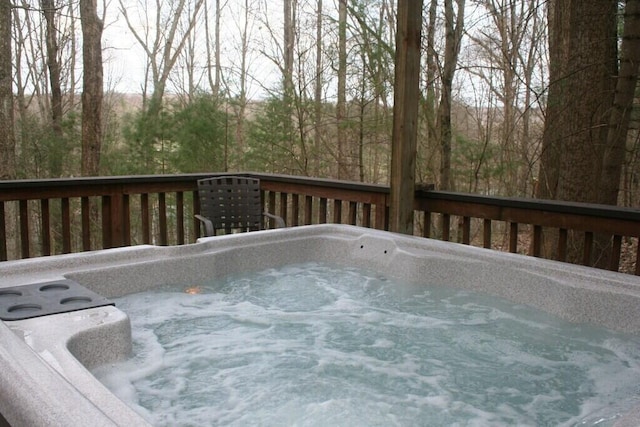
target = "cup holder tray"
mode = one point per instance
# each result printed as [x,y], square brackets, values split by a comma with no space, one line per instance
[41,299]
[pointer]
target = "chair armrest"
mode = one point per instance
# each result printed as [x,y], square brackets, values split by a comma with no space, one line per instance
[208,225]
[279,221]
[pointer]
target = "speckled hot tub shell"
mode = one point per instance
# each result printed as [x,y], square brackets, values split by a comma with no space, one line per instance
[45,360]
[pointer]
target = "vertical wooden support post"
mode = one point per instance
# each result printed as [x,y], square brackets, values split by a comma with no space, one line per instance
[405,115]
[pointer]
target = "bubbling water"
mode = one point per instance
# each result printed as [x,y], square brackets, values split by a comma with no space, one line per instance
[312,344]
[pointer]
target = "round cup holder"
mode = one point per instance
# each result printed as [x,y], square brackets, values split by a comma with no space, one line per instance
[75,300]
[24,307]
[54,287]
[10,293]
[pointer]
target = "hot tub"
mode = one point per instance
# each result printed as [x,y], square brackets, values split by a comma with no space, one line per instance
[46,358]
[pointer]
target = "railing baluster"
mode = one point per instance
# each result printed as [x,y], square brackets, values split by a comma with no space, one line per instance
[322,213]
[308,210]
[426,230]
[353,213]
[366,215]
[24,228]
[66,225]
[283,208]
[536,249]
[106,222]
[446,227]
[272,207]
[162,218]
[145,218]
[3,234]
[196,210]
[486,233]
[295,209]
[513,237]
[45,223]
[466,230]
[638,256]
[126,220]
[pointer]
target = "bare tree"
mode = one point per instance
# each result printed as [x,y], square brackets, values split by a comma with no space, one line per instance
[619,119]
[92,93]
[53,63]
[453,35]
[317,94]
[7,137]
[341,106]
[162,40]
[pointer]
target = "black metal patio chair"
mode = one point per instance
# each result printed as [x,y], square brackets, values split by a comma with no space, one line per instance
[232,203]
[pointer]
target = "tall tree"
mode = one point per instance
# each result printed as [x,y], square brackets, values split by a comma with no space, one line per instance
[454,24]
[317,93]
[92,92]
[7,137]
[53,64]
[619,119]
[583,57]
[341,106]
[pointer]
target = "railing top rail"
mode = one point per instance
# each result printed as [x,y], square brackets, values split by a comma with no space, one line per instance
[556,206]
[20,190]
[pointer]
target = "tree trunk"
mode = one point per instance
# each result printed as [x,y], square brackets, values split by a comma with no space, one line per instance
[92,92]
[341,106]
[583,57]
[7,137]
[317,102]
[51,34]
[453,37]
[582,50]
[619,119]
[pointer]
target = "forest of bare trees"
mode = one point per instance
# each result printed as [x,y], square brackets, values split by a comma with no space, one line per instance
[533,98]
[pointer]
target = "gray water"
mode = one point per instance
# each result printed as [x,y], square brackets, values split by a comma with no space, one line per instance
[315,345]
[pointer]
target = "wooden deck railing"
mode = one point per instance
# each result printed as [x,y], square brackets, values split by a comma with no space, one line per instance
[45,217]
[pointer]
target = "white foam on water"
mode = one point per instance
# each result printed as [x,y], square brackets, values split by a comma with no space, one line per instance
[313,345]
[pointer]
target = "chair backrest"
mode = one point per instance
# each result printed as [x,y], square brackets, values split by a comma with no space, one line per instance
[231,203]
